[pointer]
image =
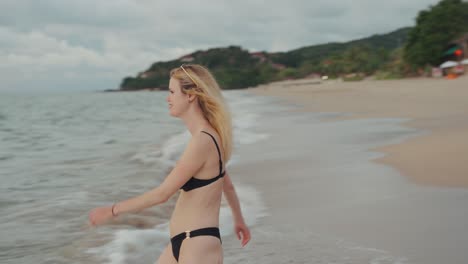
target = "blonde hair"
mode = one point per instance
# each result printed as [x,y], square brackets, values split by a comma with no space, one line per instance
[198,80]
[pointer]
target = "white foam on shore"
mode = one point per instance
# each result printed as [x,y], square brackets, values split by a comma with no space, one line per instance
[252,205]
[166,154]
[130,245]
[144,246]
[245,119]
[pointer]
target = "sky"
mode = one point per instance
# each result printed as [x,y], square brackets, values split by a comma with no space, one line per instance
[89,45]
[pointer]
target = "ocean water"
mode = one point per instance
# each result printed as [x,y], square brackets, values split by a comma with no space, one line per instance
[63,154]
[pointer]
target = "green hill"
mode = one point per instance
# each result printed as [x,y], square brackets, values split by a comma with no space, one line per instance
[235,67]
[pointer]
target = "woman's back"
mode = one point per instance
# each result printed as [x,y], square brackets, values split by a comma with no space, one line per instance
[199,202]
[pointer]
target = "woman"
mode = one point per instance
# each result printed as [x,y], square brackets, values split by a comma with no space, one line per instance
[200,175]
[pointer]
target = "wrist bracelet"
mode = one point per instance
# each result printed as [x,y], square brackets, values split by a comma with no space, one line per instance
[112,210]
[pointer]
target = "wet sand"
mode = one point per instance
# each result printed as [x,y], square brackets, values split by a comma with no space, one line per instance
[437,106]
[365,172]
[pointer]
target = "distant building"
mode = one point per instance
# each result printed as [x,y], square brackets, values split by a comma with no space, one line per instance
[145,75]
[259,55]
[327,62]
[462,42]
[437,72]
[187,58]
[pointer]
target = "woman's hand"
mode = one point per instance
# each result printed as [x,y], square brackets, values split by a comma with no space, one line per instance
[100,215]
[242,232]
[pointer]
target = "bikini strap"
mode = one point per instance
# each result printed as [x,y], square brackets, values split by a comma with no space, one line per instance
[219,152]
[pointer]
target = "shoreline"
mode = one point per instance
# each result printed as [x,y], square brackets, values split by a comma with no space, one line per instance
[435,106]
[328,201]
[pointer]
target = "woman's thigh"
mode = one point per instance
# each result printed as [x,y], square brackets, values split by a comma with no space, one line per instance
[166,256]
[201,250]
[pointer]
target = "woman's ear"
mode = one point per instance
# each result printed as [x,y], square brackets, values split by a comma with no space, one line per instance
[191,97]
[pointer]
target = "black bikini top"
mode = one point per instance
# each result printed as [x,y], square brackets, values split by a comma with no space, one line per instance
[194,183]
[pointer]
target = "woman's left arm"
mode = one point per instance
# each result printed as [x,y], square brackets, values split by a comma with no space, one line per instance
[190,162]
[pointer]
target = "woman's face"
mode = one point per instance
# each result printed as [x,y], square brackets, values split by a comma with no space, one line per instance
[178,101]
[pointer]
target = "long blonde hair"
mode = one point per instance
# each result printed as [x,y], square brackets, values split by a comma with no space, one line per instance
[198,80]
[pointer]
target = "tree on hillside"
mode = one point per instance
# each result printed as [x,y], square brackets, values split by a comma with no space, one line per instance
[235,67]
[435,29]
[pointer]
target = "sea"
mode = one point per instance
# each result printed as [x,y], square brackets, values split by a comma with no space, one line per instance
[62,154]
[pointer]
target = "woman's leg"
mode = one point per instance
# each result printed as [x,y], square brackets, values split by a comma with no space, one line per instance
[166,256]
[201,250]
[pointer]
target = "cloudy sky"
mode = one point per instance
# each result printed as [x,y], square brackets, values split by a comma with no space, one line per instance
[69,45]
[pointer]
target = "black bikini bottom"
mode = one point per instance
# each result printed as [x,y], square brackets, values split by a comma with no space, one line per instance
[177,240]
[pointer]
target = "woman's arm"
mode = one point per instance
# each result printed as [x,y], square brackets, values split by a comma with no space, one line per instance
[240,228]
[231,197]
[190,162]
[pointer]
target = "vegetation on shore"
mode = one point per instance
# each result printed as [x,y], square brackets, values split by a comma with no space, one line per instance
[430,40]
[394,55]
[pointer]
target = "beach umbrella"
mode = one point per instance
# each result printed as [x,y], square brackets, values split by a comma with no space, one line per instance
[448,64]
[465,61]
[455,50]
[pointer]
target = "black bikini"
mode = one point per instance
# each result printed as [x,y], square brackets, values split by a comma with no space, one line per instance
[191,184]
[194,183]
[177,240]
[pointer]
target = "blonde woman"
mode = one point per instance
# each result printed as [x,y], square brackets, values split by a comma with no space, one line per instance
[200,174]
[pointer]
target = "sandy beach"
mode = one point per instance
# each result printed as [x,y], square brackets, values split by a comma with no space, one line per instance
[437,106]
[360,172]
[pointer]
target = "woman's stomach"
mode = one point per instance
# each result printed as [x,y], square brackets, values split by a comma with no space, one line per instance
[191,213]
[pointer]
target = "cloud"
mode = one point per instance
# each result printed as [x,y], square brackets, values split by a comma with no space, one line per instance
[50,43]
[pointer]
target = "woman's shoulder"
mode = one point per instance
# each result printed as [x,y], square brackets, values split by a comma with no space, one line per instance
[211,136]
[197,148]
[203,140]
[206,139]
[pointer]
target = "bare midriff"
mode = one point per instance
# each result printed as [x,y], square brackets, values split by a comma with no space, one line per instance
[197,208]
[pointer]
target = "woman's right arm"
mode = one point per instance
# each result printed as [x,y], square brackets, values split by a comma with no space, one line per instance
[190,162]
[240,228]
